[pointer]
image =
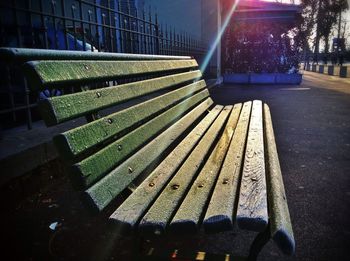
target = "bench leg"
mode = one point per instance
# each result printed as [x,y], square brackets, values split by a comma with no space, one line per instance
[259,242]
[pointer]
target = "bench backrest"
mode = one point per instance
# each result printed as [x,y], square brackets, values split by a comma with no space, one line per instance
[121,117]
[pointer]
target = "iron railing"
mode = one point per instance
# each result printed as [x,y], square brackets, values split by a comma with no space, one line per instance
[95,25]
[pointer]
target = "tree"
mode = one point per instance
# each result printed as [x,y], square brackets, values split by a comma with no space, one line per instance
[317,21]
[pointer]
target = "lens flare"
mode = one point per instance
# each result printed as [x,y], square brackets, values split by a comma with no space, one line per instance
[218,37]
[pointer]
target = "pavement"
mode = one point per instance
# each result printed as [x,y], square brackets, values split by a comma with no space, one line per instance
[312,129]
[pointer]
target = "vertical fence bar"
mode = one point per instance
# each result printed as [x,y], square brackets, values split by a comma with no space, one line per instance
[137,30]
[105,47]
[121,38]
[29,6]
[129,22]
[144,32]
[53,13]
[157,34]
[167,40]
[149,27]
[111,42]
[65,29]
[73,24]
[115,33]
[82,25]
[97,27]
[43,24]
[171,47]
[90,29]
[18,29]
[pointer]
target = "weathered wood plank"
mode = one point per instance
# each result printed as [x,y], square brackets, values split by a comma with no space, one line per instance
[106,189]
[76,141]
[160,213]
[221,208]
[130,212]
[46,74]
[280,223]
[187,217]
[59,109]
[252,204]
[21,55]
[97,165]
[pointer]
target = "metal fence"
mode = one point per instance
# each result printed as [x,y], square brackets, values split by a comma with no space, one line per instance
[95,25]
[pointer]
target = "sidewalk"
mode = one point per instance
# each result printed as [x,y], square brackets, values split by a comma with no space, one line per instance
[312,129]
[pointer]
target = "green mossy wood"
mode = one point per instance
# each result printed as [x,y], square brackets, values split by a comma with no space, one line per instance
[193,164]
[105,190]
[95,166]
[252,203]
[188,217]
[76,141]
[49,74]
[280,223]
[138,202]
[59,109]
[221,209]
[159,215]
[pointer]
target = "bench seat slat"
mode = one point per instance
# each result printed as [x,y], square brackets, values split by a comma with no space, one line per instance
[252,205]
[76,141]
[160,213]
[105,190]
[95,166]
[221,209]
[129,213]
[47,74]
[58,109]
[280,223]
[187,217]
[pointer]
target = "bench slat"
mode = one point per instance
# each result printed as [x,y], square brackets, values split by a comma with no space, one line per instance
[187,217]
[73,142]
[252,205]
[158,216]
[58,109]
[129,213]
[21,55]
[220,211]
[106,189]
[280,223]
[95,166]
[46,74]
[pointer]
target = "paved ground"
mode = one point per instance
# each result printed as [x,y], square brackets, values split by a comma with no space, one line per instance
[312,128]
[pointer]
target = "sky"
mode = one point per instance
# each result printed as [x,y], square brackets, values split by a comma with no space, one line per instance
[346,15]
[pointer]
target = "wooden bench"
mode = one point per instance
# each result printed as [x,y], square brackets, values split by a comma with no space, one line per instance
[191,165]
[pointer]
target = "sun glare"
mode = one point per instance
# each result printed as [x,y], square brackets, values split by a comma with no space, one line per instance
[218,37]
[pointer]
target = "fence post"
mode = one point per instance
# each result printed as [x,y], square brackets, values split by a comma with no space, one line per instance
[97,27]
[157,34]
[53,11]
[82,25]
[74,34]
[65,25]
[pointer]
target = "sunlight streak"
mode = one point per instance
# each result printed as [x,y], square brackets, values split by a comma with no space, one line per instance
[218,37]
